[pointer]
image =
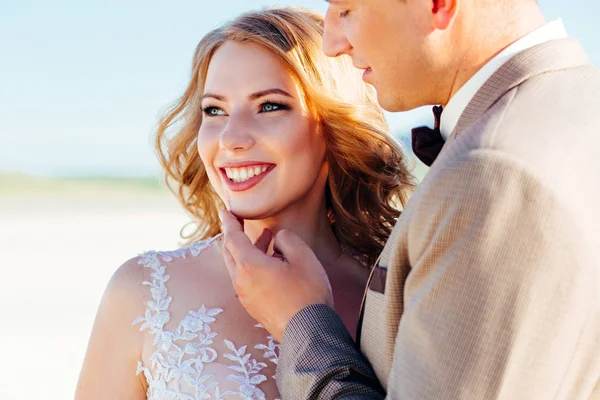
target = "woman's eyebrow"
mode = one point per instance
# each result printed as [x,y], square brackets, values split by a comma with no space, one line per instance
[214,96]
[263,93]
[253,96]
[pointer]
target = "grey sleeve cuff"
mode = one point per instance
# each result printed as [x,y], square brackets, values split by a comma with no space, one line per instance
[318,360]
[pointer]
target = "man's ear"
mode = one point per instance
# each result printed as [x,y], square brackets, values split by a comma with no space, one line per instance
[443,12]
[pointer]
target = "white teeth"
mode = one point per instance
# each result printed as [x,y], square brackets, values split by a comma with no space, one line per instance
[244,173]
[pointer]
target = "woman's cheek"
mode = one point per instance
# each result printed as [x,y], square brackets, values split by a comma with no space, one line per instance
[207,150]
[294,135]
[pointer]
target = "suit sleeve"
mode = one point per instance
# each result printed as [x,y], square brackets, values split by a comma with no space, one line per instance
[318,360]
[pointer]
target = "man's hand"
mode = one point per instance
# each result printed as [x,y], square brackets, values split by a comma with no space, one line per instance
[273,289]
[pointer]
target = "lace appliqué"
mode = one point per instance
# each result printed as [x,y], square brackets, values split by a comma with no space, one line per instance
[181,355]
[271,349]
[248,376]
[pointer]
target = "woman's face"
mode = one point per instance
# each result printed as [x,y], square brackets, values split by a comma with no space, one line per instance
[259,144]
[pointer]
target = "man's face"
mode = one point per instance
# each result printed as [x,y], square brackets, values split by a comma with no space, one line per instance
[389,39]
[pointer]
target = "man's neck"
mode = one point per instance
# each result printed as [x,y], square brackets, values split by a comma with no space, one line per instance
[492,39]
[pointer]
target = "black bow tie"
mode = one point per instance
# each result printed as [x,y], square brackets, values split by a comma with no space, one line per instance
[426,142]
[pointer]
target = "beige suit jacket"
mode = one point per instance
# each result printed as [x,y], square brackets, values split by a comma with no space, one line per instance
[489,286]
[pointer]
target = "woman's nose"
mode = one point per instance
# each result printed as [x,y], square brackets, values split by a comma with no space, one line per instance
[236,137]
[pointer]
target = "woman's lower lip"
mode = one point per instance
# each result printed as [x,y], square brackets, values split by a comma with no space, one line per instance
[366,74]
[248,184]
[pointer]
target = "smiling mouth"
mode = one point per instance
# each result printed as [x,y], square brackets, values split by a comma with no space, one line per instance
[242,178]
[243,174]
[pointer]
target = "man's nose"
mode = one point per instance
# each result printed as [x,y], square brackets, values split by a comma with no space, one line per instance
[335,42]
[236,136]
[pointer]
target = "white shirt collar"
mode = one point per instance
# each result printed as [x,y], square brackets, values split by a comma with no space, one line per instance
[457,104]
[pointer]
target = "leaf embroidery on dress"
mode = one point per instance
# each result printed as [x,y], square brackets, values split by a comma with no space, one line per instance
[248,369]
[271,349]
[180,356]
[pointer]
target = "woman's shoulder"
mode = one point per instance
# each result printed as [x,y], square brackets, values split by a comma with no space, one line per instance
[133,277]
[152,259]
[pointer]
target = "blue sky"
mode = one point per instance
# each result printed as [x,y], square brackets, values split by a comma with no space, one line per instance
[82,84]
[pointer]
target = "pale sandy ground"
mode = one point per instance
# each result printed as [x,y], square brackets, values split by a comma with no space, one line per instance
[57,255]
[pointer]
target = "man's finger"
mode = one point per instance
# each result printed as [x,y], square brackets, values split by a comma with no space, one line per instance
[230,222]
[264,240]
[236,240]
[229,262]
[292,247]
[241,249]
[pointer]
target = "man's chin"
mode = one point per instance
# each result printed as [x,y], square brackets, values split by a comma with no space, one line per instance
[393,103]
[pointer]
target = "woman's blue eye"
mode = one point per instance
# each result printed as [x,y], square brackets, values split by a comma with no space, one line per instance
[269,107]
[213,111]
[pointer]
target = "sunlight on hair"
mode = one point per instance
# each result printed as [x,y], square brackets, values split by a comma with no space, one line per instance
[369,180]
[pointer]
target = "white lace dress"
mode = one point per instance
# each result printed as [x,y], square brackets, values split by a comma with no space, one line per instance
[180,363]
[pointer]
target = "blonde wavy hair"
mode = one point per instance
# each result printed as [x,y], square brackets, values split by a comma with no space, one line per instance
[368,179]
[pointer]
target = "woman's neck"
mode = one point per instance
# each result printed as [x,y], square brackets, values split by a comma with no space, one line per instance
[315,231]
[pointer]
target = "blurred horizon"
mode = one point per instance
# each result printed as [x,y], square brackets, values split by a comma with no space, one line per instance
[82,86]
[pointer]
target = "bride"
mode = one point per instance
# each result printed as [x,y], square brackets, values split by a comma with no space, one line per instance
[285,138]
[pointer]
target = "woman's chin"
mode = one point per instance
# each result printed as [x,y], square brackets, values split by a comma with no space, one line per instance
[248,213]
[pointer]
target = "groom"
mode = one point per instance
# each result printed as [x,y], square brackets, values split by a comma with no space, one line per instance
[488,287]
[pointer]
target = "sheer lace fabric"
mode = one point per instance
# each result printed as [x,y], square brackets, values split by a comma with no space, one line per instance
[194,361]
